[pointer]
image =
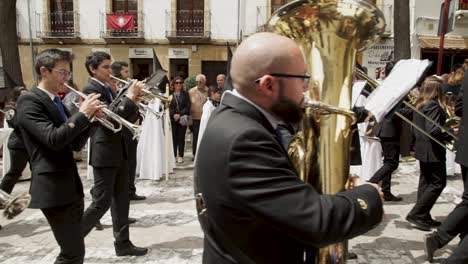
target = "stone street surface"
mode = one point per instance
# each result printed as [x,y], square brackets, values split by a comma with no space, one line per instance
[168,226]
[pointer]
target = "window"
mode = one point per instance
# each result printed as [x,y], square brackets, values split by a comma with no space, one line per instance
[190,17]
[125,6]
[276,4]
[61,17]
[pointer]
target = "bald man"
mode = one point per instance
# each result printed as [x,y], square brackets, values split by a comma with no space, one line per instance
[254,207]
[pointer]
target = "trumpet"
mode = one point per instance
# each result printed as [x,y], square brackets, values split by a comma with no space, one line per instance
[412,98]
[134,129]
[148,95]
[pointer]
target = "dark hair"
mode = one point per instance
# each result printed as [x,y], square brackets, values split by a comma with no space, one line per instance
[49,57]
[431,89]
[174,81]
[117,67]
[13,96]
[94,59]
[213,89]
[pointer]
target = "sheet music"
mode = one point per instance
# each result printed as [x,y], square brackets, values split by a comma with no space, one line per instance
[395,87]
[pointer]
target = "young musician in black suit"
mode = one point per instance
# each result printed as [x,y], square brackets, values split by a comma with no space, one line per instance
[120,70]
[18,155]
[431,156]
[455,223]
[257,210]
[109,155]
[51,135]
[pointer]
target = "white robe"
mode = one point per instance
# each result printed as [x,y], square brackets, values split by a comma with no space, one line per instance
[151,149]
[208,108]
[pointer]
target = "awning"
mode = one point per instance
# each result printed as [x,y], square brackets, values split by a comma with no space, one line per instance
[431,42]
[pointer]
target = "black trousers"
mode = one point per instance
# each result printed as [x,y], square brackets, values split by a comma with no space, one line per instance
[110,190]
[195,130]
[65,222]
[178,138]
[132,162]
[18,161]
[391,153]
[455,224]
[432,181]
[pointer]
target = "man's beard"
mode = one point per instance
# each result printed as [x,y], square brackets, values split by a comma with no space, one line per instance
[284,108]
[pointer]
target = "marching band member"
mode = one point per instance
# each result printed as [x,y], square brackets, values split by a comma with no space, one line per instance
[18,154]
[109,156]
[120,70]
[50,135]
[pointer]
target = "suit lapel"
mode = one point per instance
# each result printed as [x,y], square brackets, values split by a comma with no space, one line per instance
[49,104]
[235,102]
[102,91]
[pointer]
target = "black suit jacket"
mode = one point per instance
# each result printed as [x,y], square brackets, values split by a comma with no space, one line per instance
[426,149]
[50,144]
[180,106]
[15,141]
[257,203]
[462,110]
[109,149]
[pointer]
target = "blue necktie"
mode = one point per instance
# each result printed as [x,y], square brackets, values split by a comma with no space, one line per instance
[279,135]
[60,108]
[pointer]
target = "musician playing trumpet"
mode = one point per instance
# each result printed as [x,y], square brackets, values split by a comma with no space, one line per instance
[50,135]
[109,155]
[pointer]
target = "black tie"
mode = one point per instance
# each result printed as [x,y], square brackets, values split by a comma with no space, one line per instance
[60,108]
[108,93]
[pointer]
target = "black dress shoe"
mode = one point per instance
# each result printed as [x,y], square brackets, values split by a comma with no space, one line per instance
[136,197]
[430,245]
[130,250]
[432,222]
[131,220]
[392,198]
[418,223]
[352,255]
[99,226]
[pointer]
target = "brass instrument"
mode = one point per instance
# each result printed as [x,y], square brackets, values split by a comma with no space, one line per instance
[148,95]
[134,129]
[13,205]
[329,32]
[412,97]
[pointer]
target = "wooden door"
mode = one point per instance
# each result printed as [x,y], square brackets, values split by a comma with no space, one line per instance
[190,17]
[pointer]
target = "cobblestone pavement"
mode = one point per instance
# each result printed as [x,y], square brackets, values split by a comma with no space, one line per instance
[168,226]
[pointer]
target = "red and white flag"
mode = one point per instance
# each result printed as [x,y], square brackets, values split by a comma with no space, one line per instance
[120,22]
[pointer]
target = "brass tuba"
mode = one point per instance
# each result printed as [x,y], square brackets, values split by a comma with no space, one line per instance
[329,32]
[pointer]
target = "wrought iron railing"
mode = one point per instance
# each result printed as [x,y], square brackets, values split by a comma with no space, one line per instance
[137,30]
[58,25]
[188,24]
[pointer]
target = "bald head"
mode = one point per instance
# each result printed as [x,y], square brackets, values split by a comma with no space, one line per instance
[261,54]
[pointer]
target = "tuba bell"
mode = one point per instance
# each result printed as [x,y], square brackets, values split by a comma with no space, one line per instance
[329,33]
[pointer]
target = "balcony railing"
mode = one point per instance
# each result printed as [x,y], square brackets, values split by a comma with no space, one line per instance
[137,30]
[189,24]
[264,14]
[58,25]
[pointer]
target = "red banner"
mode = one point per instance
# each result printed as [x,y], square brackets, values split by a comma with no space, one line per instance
[120,22]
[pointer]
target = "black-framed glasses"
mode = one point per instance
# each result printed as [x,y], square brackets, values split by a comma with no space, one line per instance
[63,73]
[305,77]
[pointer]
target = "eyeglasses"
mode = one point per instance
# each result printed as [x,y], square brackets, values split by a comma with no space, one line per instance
[305,77]
[178,82]
[63,73]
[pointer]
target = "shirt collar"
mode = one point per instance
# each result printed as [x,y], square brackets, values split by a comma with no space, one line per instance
[51,95]
[273,121]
